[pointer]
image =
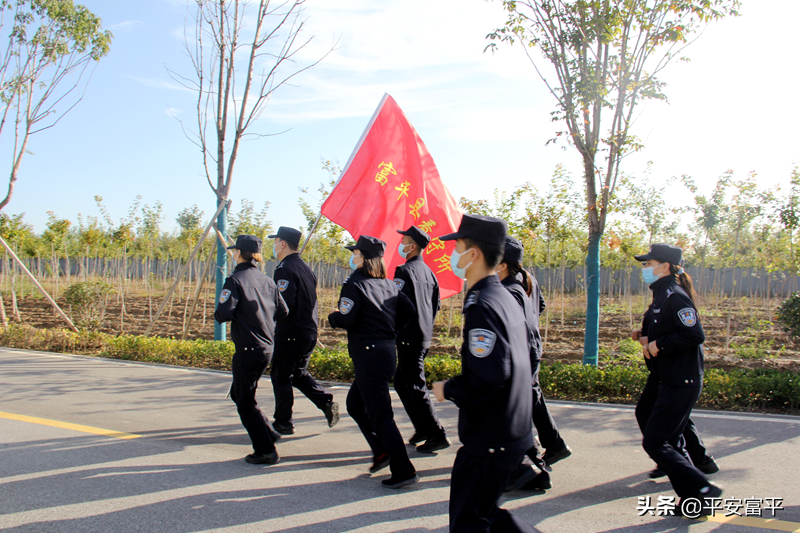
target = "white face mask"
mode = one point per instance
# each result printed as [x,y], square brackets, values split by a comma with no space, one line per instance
[401,249]
[455,258]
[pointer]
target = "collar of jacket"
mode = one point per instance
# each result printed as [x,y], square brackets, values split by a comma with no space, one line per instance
[414,258]
[244,266]
[662,283]
[488,280]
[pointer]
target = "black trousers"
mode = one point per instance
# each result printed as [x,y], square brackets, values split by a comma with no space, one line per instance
[663,434]
[370,405]
[290,369]
[546,428]
[476,483]
[248,366]
[693,443]
[409,382]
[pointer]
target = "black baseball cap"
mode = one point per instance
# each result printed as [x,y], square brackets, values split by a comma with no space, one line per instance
[247,243]
[666,253]
[368,246]
[488,230]
[513,252]
[290,235]
[420,237]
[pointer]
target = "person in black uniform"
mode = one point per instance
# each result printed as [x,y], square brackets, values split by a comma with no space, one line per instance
[416,280]
[693,443]
[672,340]
[251,302]
[493,392]
[525,290]
[372,309]
[296,335]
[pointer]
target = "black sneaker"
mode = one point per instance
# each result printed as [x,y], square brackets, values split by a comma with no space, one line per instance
[540,482]
[552,458]
[417,437]
[379,462]
[332,413]
[432,445]
[709,467]
[395,482]
[656,473]
[263,458]
[711,491]
[283,430]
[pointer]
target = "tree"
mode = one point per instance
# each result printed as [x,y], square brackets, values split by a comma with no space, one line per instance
[227,111]
[606,55]
[51,43]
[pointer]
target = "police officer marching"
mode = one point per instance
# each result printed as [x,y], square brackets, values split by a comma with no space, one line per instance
[525,290]
[417,281]
[372,309]
[296,335]
[672,340]
[251,302]
[493,392]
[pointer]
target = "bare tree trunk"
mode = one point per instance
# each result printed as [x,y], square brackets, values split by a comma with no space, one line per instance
[3,316]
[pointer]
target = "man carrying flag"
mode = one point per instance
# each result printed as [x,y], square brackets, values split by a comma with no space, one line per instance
[417,281]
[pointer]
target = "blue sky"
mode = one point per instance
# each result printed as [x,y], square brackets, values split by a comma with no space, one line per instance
[484,117]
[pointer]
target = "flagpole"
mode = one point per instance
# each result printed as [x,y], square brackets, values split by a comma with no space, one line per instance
[347,165]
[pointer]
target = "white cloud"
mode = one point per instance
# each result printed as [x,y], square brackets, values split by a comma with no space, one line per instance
[172,111]
[126,26]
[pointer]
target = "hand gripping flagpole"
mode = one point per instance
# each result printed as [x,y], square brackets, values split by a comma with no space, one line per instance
[347,165]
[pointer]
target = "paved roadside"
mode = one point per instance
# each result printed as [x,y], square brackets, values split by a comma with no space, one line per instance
[168,457]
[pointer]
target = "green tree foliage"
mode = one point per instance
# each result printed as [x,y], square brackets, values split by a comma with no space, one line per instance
[606,55]
[50,45]
[247,222]
[88,302]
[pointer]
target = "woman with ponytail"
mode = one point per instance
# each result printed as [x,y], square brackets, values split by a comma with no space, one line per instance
[672,340]
[525,290]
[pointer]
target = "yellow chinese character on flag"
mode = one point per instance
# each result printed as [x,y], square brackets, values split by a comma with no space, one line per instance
[384,170]
[403,190]
[435,244]
[415,207]
[427,226]
[443,264]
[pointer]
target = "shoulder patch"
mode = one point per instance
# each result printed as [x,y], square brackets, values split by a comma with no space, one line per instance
[224,295]
[346,280]
[670,292]
[472,299]
[400,283]
[481,342]
[688,316]
[346,305]
[280,265]
[283,284]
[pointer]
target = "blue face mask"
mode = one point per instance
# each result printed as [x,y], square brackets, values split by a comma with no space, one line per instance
[353,264]
[400,249]
[648,276]
[455,257]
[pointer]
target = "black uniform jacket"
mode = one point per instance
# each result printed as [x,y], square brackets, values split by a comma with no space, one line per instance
[539,306]
[514,286]
[493,392]
[672,322]
[251,302]
[371,309]
[416,280]
[298,286]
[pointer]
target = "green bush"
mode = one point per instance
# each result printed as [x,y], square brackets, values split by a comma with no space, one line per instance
[88,301]
[332,365]
[788,314]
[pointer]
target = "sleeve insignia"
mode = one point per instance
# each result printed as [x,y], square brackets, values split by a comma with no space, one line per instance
[688,316]
[400,283]
[224,295]
[346,305]
[283,284]
[481,342]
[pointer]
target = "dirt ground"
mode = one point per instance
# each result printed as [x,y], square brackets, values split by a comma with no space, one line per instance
[755,343]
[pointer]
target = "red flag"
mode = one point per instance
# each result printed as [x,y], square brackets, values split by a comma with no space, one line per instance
[391,183]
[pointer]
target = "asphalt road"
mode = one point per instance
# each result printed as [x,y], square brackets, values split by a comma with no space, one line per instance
[95,445]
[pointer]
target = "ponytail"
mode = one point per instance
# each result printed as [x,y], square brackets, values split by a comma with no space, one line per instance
[684,280]
[514,269]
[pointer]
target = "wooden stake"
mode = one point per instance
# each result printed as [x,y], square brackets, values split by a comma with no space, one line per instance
[38,285]
[186,266]
[200,284]
[3,312]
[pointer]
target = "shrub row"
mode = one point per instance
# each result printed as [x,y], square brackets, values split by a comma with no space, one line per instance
[738,389]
